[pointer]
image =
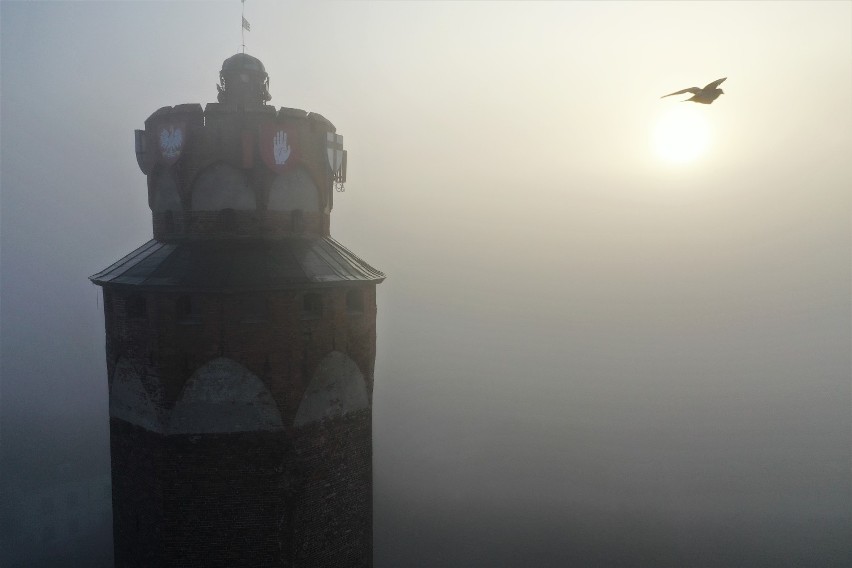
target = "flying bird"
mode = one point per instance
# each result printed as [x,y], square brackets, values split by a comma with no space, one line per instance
[705,96]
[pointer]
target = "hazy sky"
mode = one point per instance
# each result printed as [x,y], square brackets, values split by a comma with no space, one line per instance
[586,352]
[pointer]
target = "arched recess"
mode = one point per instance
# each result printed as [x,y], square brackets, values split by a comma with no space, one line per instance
[336,388]
[224,396]
[131,401]
[294,189]
[222,186]
[165,191]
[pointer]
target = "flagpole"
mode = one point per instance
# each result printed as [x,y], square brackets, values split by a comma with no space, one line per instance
[242,25]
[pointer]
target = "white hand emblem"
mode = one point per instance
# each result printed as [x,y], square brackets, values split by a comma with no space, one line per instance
[281,148]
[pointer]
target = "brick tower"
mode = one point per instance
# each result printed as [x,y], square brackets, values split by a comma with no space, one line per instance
[240,345]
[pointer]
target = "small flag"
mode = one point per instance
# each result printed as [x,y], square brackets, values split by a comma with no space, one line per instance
[246,25]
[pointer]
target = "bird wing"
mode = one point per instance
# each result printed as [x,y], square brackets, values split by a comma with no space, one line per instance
[715,83]
[693,90]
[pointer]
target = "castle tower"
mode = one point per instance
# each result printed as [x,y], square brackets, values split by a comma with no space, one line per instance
[240,345]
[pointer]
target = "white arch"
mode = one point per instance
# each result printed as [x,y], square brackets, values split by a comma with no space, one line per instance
[222,187]
[224,396]
[130,401]
[294,189]
[336,388]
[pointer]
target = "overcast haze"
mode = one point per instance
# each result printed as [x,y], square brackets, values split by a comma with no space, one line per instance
[587,354]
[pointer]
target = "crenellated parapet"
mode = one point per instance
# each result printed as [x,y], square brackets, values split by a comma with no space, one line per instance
[239,170]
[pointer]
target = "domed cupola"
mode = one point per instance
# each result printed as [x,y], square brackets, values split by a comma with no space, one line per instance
[243,81]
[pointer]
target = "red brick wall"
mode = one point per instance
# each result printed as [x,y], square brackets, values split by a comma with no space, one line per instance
[333,512]
[251,499]
[248,498]
[283,349]
[137,496]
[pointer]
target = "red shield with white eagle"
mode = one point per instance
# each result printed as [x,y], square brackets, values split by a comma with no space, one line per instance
[278,146]
[171,140]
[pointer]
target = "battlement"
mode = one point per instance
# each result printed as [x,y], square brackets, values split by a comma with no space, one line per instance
[232,172]
[240,167]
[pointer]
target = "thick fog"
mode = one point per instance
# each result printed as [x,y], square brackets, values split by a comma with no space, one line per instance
[587,356]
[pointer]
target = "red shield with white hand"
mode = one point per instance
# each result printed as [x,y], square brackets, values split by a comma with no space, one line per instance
[278,146]
[171,140]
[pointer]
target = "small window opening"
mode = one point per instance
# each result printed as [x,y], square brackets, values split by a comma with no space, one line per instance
[355,302]
[188,310]
[253,309]
[136,306]
[311,306]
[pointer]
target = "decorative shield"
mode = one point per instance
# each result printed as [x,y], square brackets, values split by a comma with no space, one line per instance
[334,148]
[171,139]
[278,146]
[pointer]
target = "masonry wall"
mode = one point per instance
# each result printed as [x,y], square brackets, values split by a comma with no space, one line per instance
[293,496]
[137,496]
[333,512]
[282,347]
[226,500]
[244,499]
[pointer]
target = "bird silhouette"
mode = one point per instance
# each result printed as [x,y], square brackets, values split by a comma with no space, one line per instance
[705,96]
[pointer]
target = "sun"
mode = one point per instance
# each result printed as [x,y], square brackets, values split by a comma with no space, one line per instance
[682,134]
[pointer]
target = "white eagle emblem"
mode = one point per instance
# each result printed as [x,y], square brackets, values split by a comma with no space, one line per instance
[171,142]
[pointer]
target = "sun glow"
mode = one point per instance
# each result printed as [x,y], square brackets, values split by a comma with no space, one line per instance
[682,134]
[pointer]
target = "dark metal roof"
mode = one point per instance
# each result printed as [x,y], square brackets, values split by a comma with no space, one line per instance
[236,265]
[242,61]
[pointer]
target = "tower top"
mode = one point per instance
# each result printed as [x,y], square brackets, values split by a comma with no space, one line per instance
[240,168]
[243,81]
